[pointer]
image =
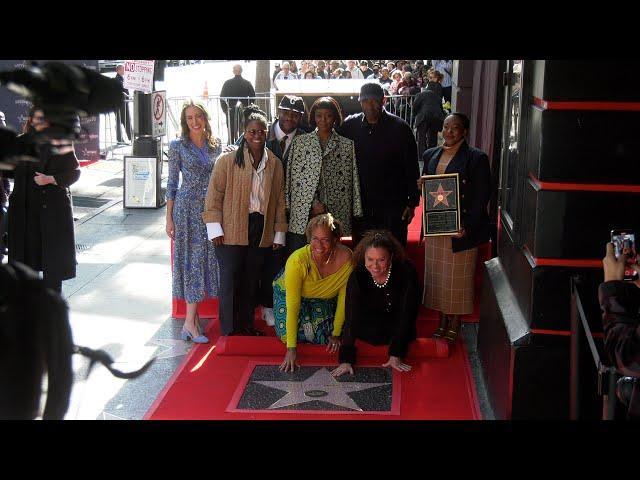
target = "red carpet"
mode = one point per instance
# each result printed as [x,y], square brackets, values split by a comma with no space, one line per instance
[439,387]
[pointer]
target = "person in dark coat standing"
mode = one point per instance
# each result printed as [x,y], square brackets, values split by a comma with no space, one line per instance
[235,87]
[4,196]
[122,113]
[387,158]
[427,107]
[41,230]
[620,307]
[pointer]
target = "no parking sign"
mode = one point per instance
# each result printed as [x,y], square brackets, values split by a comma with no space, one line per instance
[159,113]
[138,75]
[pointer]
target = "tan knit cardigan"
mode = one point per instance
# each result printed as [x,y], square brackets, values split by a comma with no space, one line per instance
[227,200]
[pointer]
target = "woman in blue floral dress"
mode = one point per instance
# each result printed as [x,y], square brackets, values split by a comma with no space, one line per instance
[195,267]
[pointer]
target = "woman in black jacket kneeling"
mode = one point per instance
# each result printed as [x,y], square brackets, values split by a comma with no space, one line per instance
[382,301]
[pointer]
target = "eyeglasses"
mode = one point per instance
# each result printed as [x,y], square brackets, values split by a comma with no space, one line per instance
[38,118]
[257,132]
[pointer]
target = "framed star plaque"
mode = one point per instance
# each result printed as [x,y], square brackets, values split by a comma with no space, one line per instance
[441,205]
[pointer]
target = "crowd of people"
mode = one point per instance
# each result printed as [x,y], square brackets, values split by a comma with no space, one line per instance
[398,77]
[266,230]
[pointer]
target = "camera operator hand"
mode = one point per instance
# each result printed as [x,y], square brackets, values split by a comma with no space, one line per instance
[42,179]
[614,267]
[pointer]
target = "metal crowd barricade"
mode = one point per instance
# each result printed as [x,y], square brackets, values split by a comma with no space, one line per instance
[402,106]
[225,125]
[606,375]
[108,125]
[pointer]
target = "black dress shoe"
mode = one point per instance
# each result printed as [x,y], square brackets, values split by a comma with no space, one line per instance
[253,332]
[624,389]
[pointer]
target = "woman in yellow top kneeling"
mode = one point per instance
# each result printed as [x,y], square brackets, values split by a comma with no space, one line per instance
[309,294]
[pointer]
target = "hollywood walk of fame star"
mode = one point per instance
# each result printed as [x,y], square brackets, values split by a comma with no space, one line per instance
[172,347]
[320,386]
[109,416]
[441,195]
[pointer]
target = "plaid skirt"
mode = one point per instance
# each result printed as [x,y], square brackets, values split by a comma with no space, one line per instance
[448,277]
[315,320]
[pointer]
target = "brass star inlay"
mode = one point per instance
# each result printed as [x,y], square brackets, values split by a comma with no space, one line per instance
[441,195]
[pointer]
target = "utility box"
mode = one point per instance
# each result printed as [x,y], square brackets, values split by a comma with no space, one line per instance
[143,175]
[143,169]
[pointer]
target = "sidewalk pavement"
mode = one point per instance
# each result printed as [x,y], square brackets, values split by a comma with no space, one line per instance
[120,300]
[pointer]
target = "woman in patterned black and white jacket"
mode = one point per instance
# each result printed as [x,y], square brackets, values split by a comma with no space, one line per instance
[322,175]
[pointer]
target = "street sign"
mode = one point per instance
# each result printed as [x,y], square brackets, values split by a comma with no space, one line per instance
[158,114]
[138,75]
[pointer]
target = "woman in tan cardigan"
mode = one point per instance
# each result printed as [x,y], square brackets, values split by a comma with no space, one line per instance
[245,217]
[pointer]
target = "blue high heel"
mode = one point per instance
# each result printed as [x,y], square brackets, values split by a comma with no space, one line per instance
[200,324]
[186,336]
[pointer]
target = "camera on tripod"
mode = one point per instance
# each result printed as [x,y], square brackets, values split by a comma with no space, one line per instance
[64,93]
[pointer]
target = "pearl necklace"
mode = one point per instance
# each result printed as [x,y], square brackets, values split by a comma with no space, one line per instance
[382,285]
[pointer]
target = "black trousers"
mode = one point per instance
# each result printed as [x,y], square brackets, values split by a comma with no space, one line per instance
[427,135]
[123,119]
[241,268]
[446,93]
[294,242]
[388,219]
[273,263]
[54,283]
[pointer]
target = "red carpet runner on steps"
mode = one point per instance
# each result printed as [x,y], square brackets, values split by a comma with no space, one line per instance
[439,387]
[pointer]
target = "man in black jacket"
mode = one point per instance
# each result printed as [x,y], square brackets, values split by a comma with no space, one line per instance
[387,158]
[289,124]
[122,113]
[620,306]
[235,87]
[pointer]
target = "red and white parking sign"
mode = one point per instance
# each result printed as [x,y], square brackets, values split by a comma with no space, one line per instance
[159,113]
[138,75]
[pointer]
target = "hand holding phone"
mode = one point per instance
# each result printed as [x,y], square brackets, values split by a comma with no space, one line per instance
[624,243]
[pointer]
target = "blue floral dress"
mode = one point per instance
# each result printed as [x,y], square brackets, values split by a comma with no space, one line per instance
[195,267]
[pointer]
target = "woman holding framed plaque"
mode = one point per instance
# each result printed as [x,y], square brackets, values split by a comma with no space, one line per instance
[450,260]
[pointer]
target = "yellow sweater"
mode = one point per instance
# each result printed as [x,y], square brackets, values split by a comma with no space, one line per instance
[302,279]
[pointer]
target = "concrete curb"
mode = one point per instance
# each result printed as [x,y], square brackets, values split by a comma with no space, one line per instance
[88,217]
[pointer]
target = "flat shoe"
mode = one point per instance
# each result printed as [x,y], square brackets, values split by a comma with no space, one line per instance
[451,335]
[439,332]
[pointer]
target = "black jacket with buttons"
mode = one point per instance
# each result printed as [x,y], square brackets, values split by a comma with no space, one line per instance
[41,230]
[474,171]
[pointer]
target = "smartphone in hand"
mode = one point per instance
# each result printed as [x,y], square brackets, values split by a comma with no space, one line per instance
[624,241]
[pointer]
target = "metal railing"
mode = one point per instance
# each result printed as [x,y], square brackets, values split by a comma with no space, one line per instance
[606,375]
[108,123]
[226,125]
[402,106]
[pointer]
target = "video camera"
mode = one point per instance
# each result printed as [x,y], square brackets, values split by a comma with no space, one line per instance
[64,92]
[35,335]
